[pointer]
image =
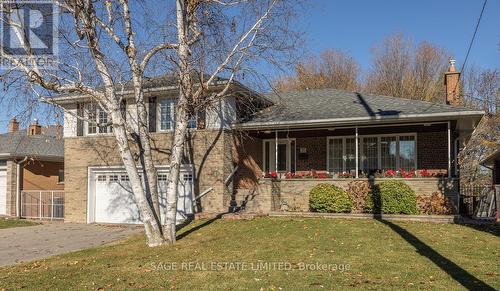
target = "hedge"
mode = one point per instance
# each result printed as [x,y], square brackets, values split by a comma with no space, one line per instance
[329,198]
[392,197]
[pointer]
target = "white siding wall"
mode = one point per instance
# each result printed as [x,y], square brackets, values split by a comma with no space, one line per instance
[222,115]
[70,120]
[132,114]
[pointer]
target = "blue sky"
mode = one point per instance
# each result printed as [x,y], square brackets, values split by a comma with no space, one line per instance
[354,26]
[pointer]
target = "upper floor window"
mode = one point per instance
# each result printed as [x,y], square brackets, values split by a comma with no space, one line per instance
[193,122]
[97,120]
[167,113]
[166,108]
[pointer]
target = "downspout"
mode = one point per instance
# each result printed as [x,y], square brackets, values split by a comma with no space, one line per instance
[18,190]
[449,150]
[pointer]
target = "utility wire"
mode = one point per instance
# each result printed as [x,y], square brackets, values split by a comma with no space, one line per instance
[471,43]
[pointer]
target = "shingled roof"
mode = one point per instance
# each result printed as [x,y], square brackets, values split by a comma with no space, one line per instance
[48,145]
[149,83]
[331,106]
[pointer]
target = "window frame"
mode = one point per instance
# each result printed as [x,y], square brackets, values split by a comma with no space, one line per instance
[360,149]
[172,113]
[288,142]
[193,119]
[97,110]
[60,174]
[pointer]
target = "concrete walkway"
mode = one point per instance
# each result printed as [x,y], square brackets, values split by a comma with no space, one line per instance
[23,244]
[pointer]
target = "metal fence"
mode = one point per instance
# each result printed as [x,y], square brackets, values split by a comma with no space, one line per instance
[479,201]
[45,204]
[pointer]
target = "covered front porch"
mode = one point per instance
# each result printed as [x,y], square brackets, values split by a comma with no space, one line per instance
[278,167]
[410,150]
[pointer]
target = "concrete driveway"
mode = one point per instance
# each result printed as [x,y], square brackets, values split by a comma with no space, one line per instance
[23,244]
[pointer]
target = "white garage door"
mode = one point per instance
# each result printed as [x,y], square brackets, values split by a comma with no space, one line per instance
[114,201]
[3,192]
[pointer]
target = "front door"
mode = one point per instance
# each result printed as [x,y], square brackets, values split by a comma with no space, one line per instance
[280,158]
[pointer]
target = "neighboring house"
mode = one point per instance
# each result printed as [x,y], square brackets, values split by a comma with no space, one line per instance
[32,171]
[339,135]
[492,162]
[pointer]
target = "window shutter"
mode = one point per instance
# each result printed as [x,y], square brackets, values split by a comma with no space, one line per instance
[201,120]
[152,114]
[79,120]
[123,109]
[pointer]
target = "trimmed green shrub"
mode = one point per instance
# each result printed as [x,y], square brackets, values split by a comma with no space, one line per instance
[392,197]
[329,198]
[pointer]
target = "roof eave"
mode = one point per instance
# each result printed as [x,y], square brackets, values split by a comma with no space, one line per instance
[62,100]
[47,158]
[361,120]
[489,160]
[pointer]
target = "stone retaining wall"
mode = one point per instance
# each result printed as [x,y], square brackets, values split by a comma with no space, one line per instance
[294,193]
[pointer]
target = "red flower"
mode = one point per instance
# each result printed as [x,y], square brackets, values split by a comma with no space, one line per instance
[390,173]
[274,174]
[425,173]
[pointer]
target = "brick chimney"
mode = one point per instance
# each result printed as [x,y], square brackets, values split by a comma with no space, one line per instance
[451,79]
[34,128]
[13,125]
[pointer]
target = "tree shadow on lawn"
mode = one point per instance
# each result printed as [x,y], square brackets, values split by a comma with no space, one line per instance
[198,227]
[455,271]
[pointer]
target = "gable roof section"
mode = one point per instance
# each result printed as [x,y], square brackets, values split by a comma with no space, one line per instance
[49,145]
[161,83]
[331,106]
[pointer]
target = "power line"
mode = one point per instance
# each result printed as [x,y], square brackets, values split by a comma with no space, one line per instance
[472,40]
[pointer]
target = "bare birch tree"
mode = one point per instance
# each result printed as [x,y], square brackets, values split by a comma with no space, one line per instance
[205,40]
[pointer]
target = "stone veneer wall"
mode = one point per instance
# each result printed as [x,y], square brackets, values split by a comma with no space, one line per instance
[208,150]
[294,193]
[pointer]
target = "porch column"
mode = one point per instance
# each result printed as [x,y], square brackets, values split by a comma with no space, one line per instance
[449,150]
[357,153]
[276,151]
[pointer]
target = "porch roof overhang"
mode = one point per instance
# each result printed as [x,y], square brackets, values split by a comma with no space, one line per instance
[45,158]
[473,115]
[490,160]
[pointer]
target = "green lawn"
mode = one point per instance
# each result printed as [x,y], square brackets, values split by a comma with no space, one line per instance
[14,222]
[358,254]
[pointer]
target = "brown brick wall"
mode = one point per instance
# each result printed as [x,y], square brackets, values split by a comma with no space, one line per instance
[39,175]
[431,154]
[247,155]
[205,149]
[432,150]
[316,153]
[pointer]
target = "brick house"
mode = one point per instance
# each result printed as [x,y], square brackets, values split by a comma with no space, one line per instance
[344,135]
[32,171]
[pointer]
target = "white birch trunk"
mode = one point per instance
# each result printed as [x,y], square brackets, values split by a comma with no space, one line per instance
[152,228]
[181,123]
